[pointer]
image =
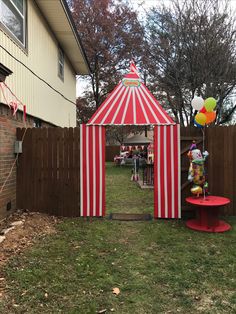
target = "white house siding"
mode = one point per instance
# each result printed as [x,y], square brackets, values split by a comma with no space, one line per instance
[42,57]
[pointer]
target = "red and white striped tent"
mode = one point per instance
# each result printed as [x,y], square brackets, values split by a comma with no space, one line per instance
[131,103]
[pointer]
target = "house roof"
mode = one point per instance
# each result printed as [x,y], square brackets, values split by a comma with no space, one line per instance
[130,103]
[58,16]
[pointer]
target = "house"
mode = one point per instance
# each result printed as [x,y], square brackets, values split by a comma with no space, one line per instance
[40,55]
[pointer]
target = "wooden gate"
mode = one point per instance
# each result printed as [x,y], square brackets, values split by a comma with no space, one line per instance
[92,164]
[167,194]
[48,171]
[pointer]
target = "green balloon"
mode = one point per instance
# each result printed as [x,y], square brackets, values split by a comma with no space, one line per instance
[210,104]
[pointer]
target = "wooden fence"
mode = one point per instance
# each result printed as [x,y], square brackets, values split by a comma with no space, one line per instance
[48,171]
[221,165]
[111,151]
[48,177]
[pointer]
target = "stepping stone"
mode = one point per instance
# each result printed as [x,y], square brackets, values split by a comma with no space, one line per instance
[130,217]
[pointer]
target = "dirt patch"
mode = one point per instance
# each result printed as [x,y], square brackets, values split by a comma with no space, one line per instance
[19,232]
[28,227]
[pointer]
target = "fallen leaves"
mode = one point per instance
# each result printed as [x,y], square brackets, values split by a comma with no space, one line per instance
[116,291]
[102,311]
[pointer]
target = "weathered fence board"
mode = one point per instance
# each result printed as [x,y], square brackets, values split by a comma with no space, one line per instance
[48,171]
[221,145]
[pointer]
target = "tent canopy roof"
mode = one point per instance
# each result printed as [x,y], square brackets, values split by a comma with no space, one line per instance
[137,139]
[130,103]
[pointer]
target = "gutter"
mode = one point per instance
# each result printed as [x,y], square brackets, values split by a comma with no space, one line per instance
[74,29]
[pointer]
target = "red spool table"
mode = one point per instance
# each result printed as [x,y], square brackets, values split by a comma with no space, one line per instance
[208,214]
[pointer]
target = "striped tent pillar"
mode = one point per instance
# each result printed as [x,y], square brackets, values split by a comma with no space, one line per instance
[92,171]
[167,187]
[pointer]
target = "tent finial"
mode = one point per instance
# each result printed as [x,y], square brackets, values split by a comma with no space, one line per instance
[133,68]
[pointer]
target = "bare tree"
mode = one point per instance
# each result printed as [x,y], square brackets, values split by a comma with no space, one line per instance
[192,48]
[112,36]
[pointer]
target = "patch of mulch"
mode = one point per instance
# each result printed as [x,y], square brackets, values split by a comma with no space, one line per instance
[31,226]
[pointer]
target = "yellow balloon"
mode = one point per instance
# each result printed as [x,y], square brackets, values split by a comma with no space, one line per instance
[201,118]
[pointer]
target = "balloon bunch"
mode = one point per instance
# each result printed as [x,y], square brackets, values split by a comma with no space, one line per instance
[206,113]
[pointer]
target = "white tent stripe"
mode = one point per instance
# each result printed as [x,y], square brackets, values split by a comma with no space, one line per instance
[149,106]
[126,107]
[100,171]
[172,171]
[165,173]
[112,104]
[154,103]
[106,103]
[94,172]
[81,170]
[179,178]
[142,106]
[120,104]
[88,174]
[158,170]
[134,106]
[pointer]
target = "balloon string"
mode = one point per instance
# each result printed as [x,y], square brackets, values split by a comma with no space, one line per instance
[203,148]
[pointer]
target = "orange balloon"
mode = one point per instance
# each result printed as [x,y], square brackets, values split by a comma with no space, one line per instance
[210,116]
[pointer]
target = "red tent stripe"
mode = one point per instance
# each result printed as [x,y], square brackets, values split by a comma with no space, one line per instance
[87,168]
[119,106]
[172,171]
[122,108]
[134,107]
[103,171]
[94,172]
[149,106]
[159,109]
[105,103]
[130,103]
[126,107]
[104,118]
[133,68]
[167,172]
[142,106]
[100,173]
[82,176]
[177,141]
[92,161]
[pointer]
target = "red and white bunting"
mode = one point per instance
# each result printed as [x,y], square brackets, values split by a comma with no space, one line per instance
[167,186]
[11,100]
[92,171]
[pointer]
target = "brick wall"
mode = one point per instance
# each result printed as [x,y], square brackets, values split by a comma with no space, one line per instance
[8,125]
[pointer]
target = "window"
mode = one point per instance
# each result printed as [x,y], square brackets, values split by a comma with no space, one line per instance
[61,63]
[13,17]
[37,123]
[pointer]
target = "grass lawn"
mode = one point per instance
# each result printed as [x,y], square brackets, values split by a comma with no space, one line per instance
[159,267]
[124,195]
